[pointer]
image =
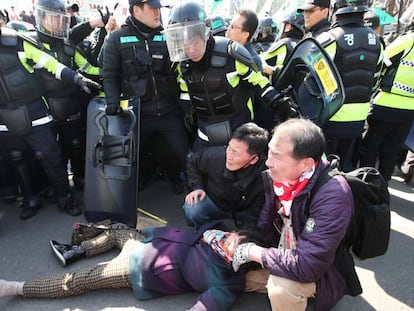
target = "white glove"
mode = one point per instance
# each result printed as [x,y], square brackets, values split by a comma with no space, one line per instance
[241,255]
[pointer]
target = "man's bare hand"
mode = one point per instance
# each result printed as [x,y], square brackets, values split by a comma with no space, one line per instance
[193,197]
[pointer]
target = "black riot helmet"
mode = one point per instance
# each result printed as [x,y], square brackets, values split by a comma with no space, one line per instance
[218,25]
[349,6]
[267,25]
[296,19]
[52,19]
[186,13]
[186,32]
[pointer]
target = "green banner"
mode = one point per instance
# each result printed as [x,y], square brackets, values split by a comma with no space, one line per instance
[384,17]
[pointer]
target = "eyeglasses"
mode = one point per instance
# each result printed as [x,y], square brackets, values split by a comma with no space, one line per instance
[232,26]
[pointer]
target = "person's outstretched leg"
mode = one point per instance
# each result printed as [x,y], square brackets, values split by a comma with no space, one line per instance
[112,274]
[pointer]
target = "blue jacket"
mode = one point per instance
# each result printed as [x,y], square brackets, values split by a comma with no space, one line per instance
[175,261]
[313,259]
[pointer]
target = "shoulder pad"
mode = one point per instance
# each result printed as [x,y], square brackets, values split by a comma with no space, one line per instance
[240,53]
[219,56]
[8,36]
[32,38]
[325,38]
[276,45]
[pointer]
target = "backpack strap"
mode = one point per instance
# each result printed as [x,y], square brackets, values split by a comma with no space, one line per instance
[322,179]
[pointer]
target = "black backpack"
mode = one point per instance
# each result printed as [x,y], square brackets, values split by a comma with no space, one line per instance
[369,231]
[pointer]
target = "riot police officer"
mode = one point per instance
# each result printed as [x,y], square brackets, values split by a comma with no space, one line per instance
[316,13]
[266,34]
[275,57]
[217,75]
[63,98]
[293,30]
[24,113]
[136,64]
[392,109]
[356,51]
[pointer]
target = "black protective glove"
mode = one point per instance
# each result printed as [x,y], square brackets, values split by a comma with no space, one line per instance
[86,83]
[284,108]
[113,109]
[105,17]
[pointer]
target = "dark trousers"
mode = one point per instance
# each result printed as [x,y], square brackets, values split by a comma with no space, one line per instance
[174,138]
[382,142]
[344,149]
[42,140]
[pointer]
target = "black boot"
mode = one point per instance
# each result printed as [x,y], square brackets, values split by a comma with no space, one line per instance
[30,207]
[65,253]
[69,204]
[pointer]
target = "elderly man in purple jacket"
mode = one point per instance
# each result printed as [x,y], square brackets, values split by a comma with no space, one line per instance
[155,262]
[301,266]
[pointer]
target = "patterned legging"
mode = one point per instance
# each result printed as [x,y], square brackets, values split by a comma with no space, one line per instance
[111,274]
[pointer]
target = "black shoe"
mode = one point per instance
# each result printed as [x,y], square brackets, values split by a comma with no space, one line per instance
[29,207]
[69,204]
[65,253]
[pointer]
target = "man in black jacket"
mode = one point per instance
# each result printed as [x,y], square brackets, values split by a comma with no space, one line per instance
[225,182]
[136,64]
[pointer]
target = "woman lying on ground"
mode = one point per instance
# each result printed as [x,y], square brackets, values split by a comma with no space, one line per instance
[153,262]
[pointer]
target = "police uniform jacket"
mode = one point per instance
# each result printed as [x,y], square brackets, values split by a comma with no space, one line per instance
[395,101]
[357,53]
[222,84]
[136,63]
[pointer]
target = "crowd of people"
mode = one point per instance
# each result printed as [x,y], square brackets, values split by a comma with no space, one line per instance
[206,90]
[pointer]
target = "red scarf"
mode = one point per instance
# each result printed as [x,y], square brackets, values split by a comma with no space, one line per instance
[286,193]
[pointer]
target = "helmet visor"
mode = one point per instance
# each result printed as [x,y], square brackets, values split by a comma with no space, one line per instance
[186,42]
[51,23]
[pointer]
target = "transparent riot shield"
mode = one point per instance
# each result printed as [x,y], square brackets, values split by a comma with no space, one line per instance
[312,81]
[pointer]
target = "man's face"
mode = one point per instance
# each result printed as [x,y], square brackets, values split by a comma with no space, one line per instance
[148,15]
[237,156]
[282,165]
[195,51]
[314,16]
[56,24]
[235,30]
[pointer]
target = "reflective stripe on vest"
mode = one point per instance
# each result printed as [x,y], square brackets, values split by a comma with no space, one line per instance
[351,112]
[394,101]
[280,54]
[403,83]
[37,122]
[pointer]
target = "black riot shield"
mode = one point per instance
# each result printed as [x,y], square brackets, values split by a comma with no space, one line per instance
[313,81]
[111,170]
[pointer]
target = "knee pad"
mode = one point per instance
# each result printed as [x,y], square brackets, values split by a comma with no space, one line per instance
[16,155]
